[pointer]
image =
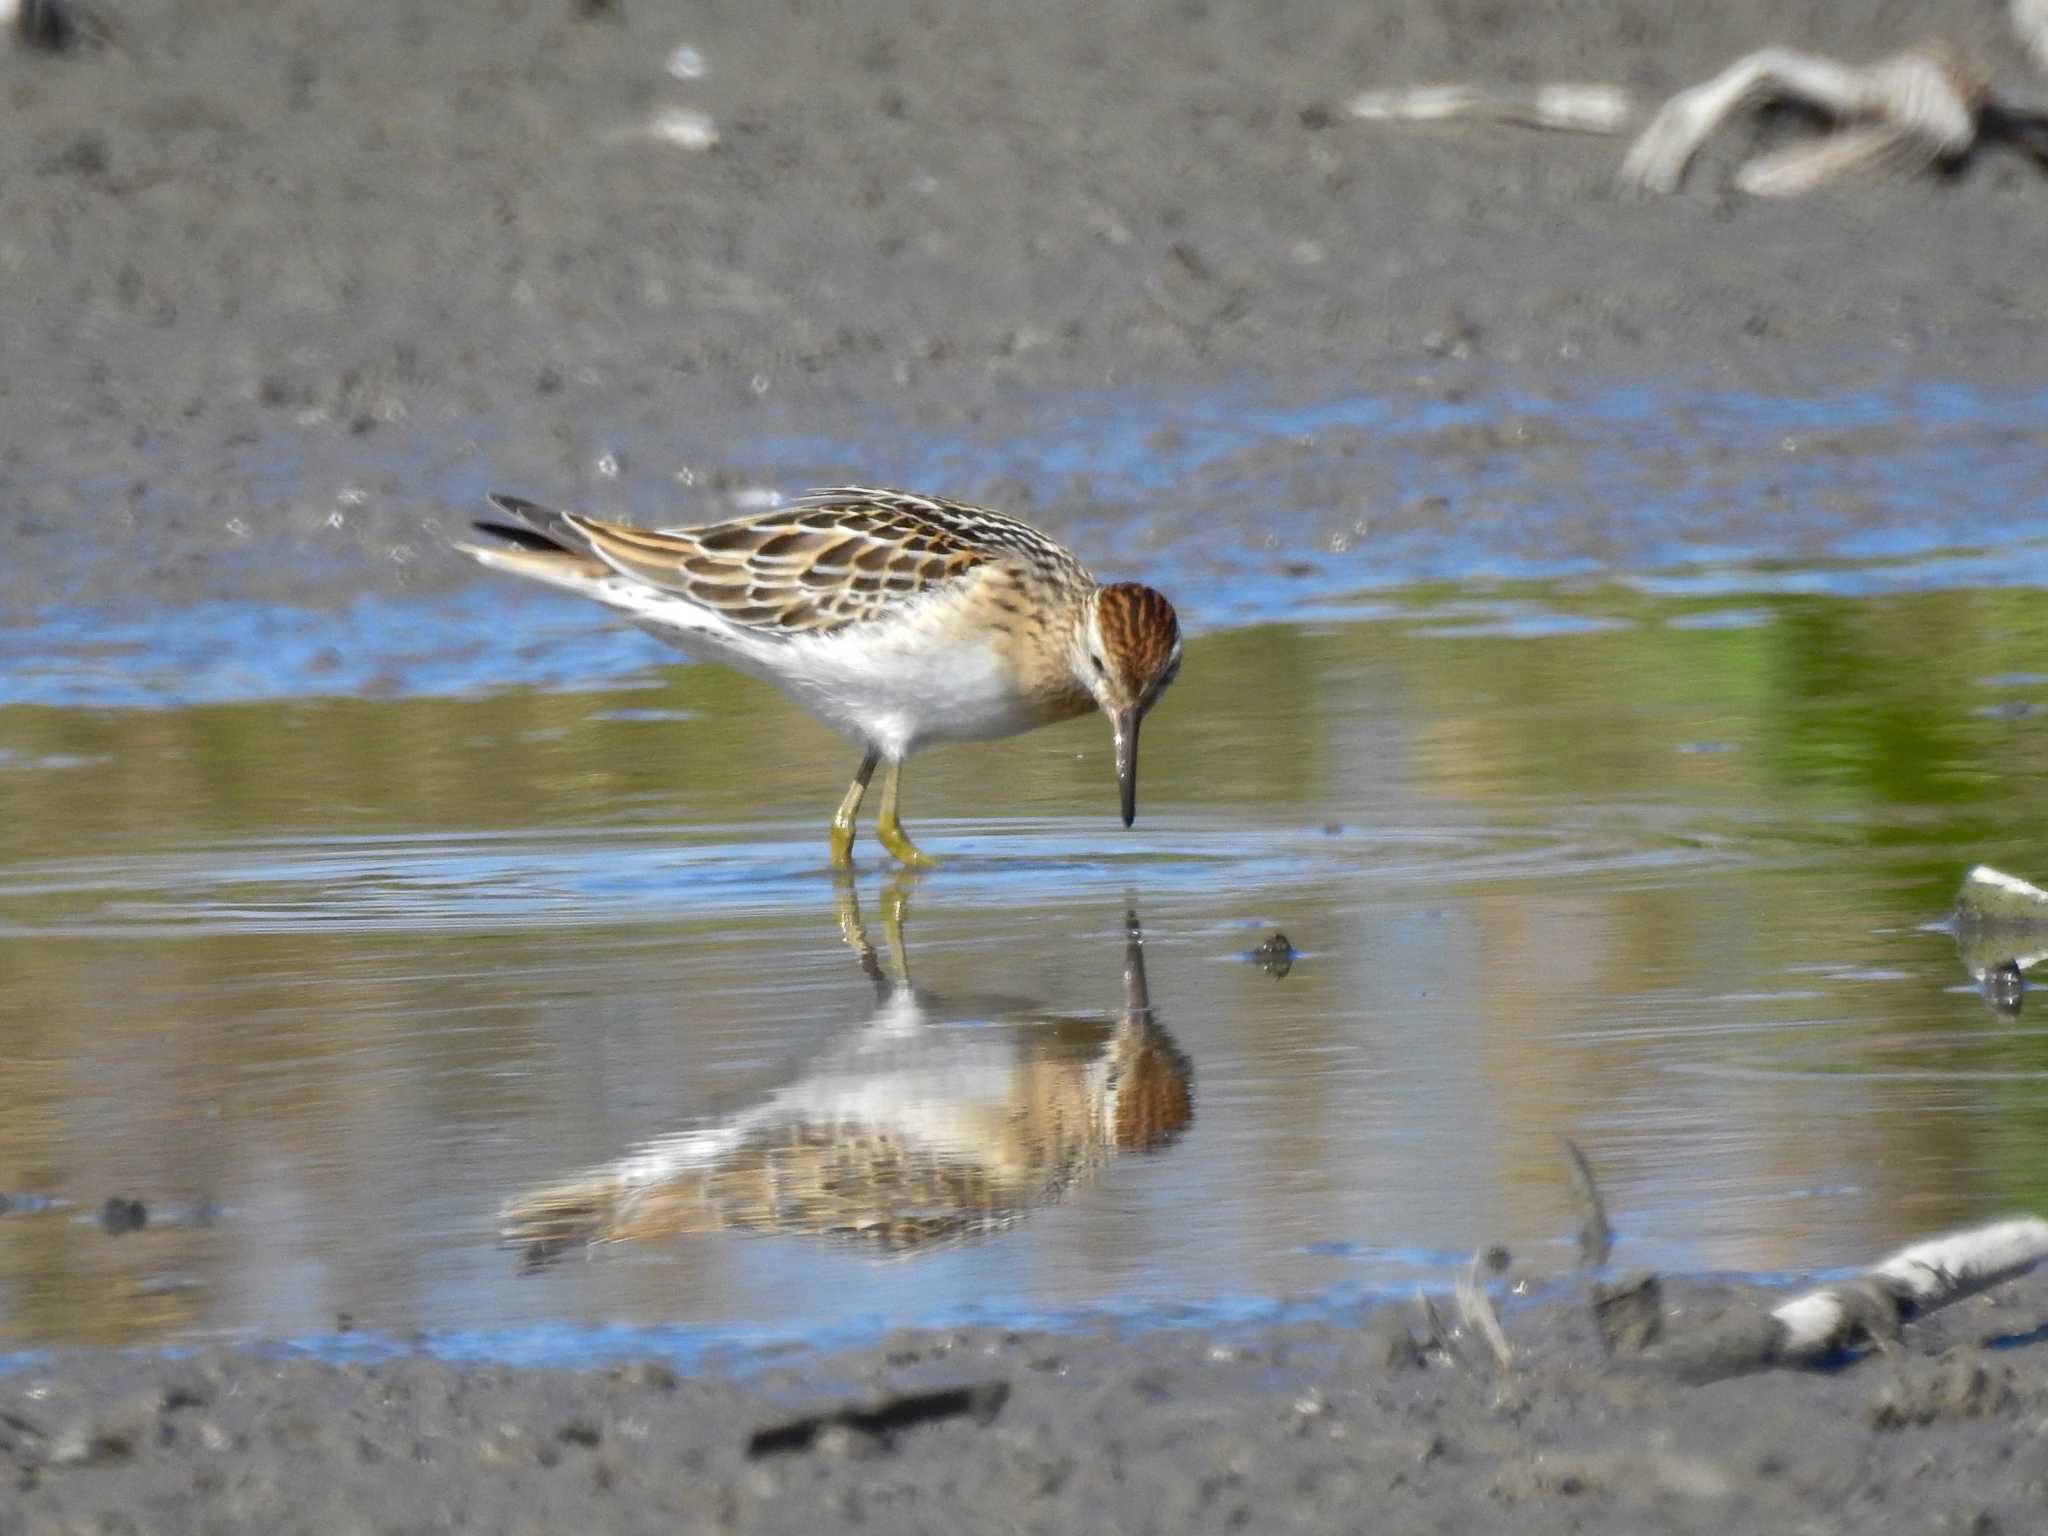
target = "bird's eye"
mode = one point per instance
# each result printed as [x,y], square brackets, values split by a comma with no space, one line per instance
[1098,664]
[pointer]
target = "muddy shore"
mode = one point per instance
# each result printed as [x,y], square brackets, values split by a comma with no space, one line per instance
[269,288]
[1330,1426]
[277,293]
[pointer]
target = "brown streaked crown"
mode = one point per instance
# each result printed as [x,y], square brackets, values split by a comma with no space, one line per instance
[1155,1098]
[1139,629]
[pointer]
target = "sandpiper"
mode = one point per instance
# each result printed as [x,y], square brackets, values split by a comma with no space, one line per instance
[900,619]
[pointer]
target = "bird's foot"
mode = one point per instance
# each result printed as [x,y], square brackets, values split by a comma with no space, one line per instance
[898,842]
[842,845]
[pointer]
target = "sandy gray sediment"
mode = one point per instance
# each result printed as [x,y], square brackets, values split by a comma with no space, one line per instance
[276,291]
[247,264]
[1327,1426]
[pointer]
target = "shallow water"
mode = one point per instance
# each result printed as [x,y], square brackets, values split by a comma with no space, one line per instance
[361,973]
[1650,861]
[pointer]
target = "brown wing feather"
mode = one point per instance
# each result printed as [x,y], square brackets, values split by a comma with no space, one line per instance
[828,559]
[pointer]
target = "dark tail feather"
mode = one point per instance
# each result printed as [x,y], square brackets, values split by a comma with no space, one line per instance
[522,538]
[534,527]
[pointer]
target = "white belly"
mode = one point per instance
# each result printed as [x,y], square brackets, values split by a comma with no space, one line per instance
[898,691]
[895,685]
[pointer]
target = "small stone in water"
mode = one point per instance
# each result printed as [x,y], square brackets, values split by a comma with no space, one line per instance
[1275,956]
[2005,989]
[1630,1313]
[1990,897]
[121,1215]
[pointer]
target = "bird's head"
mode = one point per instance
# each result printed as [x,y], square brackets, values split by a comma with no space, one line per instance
[1126,654]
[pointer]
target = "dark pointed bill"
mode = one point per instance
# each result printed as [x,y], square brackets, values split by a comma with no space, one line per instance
[1125,723]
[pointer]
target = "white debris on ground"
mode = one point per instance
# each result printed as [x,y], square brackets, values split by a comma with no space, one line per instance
[1928,104]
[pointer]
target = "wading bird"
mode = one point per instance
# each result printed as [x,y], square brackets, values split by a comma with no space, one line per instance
[900,619]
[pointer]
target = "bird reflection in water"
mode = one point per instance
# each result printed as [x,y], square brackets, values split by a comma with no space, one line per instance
[2000,926]
[904,1135]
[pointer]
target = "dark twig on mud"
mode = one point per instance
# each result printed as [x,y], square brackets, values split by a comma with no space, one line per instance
[55,25]
[1434,1334]
[1596,1237]
[883,1417]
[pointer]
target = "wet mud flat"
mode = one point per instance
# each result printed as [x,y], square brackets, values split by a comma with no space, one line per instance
[1329,1425]
[288,291]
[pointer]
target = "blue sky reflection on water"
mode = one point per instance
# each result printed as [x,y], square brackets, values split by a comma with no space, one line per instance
[1247,510]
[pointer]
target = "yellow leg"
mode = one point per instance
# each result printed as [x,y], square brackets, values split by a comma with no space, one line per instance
[842,820]
[895,899]
[890,830]
[895,902]
[855,933]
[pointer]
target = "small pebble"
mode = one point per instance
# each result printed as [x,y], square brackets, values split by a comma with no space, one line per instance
[1276,956]
[121,1214]
[647,1373]
[2005,989]
[684,129]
